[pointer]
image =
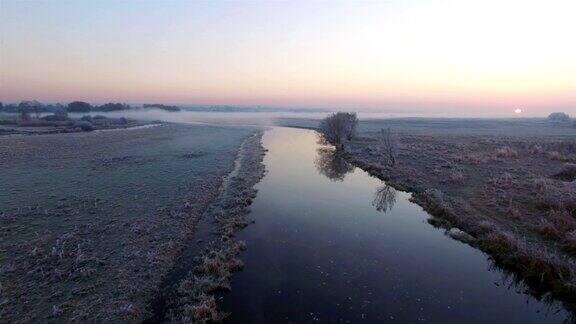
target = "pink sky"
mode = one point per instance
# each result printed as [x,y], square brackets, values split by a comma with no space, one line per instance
[431,56]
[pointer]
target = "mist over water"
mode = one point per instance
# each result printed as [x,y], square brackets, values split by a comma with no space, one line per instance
[243,118]
[195,117]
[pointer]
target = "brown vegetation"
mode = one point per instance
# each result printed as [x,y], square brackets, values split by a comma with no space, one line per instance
[194,300]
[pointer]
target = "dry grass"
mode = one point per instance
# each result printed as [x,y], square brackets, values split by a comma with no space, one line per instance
[570,242]
[457,176]
[205,311]
[194,300]
[506,152]
[540,266]
[509,192]
[559,196]
[502,181]
[555,155]
[567,173]
[547,229]
[97,244]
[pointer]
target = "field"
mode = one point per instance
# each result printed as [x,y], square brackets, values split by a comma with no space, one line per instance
[91,224]
[507,183]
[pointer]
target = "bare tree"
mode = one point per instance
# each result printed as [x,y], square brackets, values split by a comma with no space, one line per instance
[388,145]
[339,128]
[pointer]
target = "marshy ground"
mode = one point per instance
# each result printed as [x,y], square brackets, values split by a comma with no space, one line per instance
[92,223]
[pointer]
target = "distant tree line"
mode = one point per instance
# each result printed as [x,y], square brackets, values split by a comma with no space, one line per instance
[33,106]
[163,107]
[84,107]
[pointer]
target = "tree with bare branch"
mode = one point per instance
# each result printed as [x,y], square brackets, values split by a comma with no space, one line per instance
[388,145]
[339,128]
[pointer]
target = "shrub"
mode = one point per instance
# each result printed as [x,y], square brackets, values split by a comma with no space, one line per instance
[435,201]
[558,117]
[536,149]
[206,311]
[84,125]
[541,184]
[55,117]
[547,229]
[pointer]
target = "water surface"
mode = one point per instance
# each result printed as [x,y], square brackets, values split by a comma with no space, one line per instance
[333,244]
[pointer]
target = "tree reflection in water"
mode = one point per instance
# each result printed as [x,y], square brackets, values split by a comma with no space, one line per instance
[331,164]
[384,198]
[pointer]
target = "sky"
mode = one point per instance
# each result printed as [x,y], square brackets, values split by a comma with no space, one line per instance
[437,56]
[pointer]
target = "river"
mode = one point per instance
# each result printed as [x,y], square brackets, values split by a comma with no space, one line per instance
[330,243]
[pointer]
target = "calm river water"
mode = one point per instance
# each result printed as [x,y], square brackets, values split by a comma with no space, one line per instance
[333,244]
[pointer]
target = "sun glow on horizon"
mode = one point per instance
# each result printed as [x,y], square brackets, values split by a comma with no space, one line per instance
[476,55]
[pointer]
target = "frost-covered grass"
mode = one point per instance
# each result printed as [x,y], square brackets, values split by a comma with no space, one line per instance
[505,182]
[213,269]
[91,222]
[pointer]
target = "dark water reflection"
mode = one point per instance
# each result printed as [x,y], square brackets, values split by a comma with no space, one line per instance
[331,163]
[323,250]
[384,198]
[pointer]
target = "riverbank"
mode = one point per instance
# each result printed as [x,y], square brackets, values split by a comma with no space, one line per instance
[212,272]
[331,243]
[507,183]
[92,223]
[510,189]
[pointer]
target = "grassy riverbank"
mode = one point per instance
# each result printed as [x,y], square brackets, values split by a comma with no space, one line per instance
[508,183]
[91,223]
